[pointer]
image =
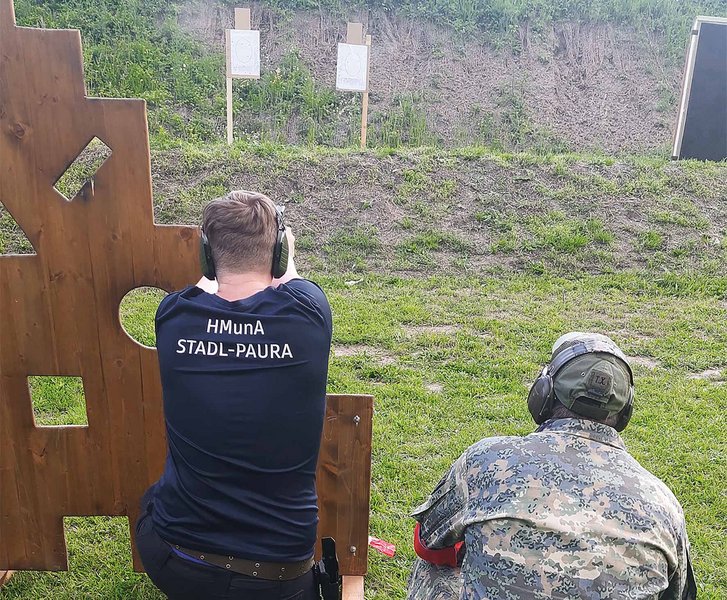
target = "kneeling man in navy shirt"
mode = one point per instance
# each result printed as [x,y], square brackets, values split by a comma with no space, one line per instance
[243,365]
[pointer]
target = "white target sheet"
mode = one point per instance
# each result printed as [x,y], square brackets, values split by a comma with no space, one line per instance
[245,53]
[352,68]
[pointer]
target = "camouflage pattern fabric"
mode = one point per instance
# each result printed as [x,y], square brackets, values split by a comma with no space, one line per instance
[564,512]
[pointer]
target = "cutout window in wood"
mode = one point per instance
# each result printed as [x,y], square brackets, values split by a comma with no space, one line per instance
[75,179]
[137,311]
[100,545]
[12,238]
[57,400]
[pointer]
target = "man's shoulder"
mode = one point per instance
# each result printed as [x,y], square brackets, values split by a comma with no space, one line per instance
[310,296]
[172,299]
[507,444]
[496,451]
[304,287]
[659,493]
[542,456]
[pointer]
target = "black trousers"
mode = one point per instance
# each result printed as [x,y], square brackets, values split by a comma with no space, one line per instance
[181,579]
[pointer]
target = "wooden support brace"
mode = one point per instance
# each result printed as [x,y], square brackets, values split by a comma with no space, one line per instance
[230,120]
[365,100]
[242,18]
[354,33]
[242,21]
[353,587]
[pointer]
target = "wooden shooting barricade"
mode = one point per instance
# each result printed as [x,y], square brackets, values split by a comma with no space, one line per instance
[59,316]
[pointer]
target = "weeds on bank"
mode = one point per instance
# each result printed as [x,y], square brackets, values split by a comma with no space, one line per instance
[137,49]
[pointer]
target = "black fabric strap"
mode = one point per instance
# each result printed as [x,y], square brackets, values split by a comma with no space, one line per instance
[252,568]
[690,590]
[585,406]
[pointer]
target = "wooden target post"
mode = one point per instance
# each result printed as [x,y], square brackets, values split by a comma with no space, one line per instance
[242,48]
[59,316]
[353,69]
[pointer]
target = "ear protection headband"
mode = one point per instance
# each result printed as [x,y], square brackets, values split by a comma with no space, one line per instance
[206,262]
[542,392]
[280,250]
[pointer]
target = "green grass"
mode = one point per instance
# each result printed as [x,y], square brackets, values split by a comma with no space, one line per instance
[134,314]
[403,125]
[353,248]
[449,361]
[415,252]
[652,240]
[58,400]
[467,209]
[12,239]
[83,168]
[564,235]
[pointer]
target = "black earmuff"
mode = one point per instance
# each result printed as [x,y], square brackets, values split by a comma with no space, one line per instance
[625,415]
[205,256]
[280,251]
[540,398]
[542,393]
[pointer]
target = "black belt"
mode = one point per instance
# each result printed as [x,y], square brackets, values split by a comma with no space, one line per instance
[252,568]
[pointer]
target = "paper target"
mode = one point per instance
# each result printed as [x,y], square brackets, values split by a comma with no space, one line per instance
[352,67]
[245,53]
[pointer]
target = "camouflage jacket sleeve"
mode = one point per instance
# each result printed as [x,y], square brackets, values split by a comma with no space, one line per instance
[430,582]
[442,516]
[682,585]
[442,525]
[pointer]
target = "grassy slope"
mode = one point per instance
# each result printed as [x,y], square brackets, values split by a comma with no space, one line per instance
[463,211]
[468,210]
[449,361]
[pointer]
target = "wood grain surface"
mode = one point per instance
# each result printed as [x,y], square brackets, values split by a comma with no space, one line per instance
[59,315]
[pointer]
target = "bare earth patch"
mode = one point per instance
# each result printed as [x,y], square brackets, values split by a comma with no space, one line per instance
[483,335]
[435,388]
[436,329]
[592,86]
[710,374]
[381,356]
[643,361]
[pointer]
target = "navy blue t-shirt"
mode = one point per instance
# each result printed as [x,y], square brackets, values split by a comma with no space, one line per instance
[244,400]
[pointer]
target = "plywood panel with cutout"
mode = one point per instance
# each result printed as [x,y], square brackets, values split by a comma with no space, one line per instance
[95,240]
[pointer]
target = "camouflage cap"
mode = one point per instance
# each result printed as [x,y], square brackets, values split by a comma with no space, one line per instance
[598,381]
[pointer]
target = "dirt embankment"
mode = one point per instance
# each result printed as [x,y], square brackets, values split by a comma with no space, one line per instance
[449,212]
[460,212]
[573,86]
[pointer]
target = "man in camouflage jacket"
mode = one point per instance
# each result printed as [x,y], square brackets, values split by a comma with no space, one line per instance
[564,512]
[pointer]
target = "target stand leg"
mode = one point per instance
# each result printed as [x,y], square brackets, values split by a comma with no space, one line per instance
[353,587]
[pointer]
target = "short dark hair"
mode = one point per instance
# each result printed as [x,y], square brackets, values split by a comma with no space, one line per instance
[241,228]
[560,411]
